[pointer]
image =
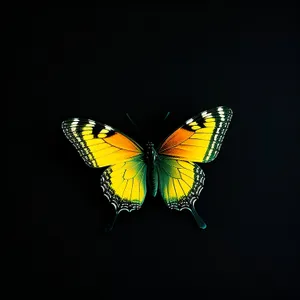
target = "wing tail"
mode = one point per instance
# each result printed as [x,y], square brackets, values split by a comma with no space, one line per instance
[198,219]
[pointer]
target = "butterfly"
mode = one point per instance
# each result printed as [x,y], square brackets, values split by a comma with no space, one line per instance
[171,168]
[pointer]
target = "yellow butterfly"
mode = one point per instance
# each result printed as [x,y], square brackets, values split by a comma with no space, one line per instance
[170,168]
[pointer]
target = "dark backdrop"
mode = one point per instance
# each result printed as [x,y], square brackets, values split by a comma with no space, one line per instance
[102,62]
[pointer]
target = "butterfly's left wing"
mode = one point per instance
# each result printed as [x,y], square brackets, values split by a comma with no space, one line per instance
[180,184]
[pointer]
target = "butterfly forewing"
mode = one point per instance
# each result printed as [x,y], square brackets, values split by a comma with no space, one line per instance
[200,138]
[98,144]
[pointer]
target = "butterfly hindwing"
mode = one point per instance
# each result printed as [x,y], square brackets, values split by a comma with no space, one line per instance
[200,138]
[180,184]
[98,144]
[124,184]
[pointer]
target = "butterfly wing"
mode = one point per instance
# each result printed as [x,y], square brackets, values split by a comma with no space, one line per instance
[180,184]
[98,144]
[200,138]
[181,180]
[124,184]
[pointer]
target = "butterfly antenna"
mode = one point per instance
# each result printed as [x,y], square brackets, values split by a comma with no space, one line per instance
[198,219]
[127,114]
[111,226]
[166,115]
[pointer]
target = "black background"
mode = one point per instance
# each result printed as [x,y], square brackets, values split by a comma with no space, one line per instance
[101,62]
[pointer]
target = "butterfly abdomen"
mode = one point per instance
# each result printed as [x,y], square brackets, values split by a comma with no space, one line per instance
[152,175]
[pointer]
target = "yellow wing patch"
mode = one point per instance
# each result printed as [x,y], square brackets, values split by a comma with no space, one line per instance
[200,139]
[99,145]
[124,184]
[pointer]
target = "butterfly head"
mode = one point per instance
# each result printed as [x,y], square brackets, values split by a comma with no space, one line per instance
[149,144]
[150,153]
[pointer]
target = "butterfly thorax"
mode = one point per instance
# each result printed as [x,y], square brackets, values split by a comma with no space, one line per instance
[150,157]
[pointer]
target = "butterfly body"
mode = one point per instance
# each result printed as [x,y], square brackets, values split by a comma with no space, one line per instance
[150,157]
[133,171]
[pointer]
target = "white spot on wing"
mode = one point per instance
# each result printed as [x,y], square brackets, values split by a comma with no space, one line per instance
[189,121]
[108,127]
[74,124]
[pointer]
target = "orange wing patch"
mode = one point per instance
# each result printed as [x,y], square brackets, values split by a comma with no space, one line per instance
[176,138]
[98,144]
